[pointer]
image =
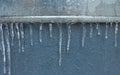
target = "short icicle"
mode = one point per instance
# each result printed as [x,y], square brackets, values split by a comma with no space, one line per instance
[69,37]
[116,32]
[111,24]
[12,33]
[50,29]
[106,31]
[31,35]
[91,30]
[40,32]
[98,29]
[3,48]
[84,35]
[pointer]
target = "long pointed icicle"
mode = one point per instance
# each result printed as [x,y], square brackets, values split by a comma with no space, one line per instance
[98,29]
[50,29]
[84,35]
[69,37]
[31,35]
[18,36]
[8,51]
[116,32]
[22,35]
[106,31]
[40,33]
[12,33]
[91,30]
[3,48]
[60,45]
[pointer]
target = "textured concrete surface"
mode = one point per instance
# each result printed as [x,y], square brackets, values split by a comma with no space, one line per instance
[61,7]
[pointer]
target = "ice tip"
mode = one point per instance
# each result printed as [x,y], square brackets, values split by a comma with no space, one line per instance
[106,37]
[59,64]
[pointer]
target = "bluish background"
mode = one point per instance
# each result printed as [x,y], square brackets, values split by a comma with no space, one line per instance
[98,57]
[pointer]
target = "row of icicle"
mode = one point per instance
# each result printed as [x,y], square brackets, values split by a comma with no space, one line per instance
[6,50]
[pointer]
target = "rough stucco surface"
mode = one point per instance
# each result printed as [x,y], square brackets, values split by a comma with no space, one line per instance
[98,57]
[60,7]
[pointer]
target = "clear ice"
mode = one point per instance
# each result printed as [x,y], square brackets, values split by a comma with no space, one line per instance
[69,37]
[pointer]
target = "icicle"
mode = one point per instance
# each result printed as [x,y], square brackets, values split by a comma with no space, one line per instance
[111,24]
[40,33]
[12,33]
[91,30]
[3,48]
[84,35]
[8,51]
[50,29]
[116,32]
[18,36]
[97,27]
[69,37]
[22,35]
[60,45]
[31,35]
[106,31]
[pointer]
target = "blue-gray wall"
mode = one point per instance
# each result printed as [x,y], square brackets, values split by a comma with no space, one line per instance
[98,57]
